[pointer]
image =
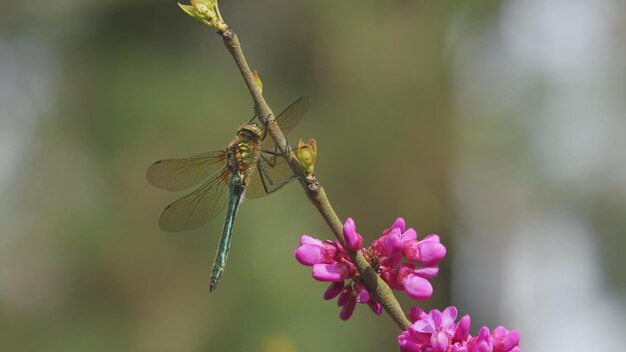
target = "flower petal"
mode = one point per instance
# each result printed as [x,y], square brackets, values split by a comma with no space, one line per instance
[345,295]
[393,243]
[362,294]
[411,250]
[449,316]
[416,314]
[409,235]
[333,290]
[306,239]
[354,241]
[439,342]
[462,329]
[427,272]
[399,224]
[430,252]
[309,254]
[417,287]
[348,309]
[330,272]
[407,344]
[375,306]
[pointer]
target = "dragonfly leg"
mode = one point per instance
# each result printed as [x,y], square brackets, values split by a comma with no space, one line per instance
[270,185]
[275,155]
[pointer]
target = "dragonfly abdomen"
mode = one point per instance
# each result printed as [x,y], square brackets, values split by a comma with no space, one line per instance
[236,190]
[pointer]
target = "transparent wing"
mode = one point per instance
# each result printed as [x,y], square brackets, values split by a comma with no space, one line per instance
[179,174]
[288,119]
[198,207]
[272,172]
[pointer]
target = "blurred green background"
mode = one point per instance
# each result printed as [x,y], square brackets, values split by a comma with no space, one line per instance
[496,124]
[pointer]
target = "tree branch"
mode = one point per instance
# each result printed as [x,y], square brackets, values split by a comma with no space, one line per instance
[312,188]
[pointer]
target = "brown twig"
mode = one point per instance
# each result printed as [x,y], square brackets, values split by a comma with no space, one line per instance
[312,188]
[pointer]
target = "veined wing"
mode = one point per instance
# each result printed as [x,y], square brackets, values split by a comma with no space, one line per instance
[288,119]
[179,174]
[272,172]
[198,207]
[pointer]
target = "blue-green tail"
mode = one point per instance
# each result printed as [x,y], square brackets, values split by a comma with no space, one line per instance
[236,189]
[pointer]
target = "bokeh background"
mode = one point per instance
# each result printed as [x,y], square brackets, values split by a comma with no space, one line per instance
[497,124]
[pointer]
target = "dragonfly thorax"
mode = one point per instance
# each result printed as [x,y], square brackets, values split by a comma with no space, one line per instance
[241,156]
[244,151]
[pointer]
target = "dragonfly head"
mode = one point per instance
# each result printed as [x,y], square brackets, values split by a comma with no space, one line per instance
[250,131]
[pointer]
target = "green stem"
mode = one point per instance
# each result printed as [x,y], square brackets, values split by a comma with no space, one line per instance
[313,189]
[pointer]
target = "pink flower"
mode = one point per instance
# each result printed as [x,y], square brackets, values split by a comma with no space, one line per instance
[500,340]
[438,332]
[427,251]
[331,263]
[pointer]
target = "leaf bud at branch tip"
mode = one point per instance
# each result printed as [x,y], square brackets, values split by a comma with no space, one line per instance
[257,80]
[207,12]
[307,153]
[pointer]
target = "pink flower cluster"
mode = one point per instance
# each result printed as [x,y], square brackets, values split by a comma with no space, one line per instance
[438,332]
[331,263]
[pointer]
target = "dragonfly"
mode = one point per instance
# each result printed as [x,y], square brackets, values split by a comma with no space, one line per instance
[250,167]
